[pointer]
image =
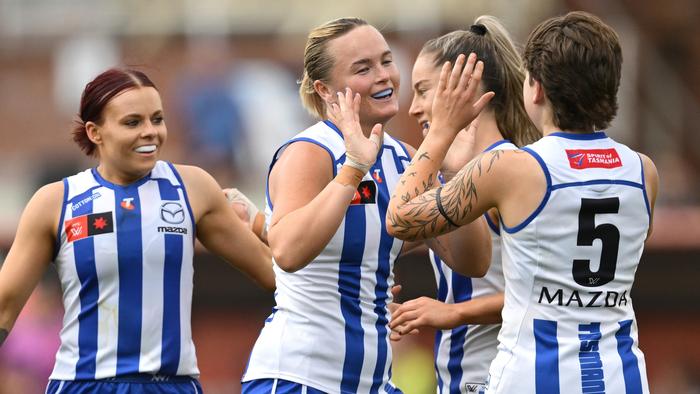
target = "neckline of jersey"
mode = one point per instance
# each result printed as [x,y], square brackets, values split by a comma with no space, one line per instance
[111,185]
[596,135]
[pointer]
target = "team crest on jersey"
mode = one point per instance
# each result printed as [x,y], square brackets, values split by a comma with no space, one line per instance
[366,193]
[89,225]
[172,212]
[593,158]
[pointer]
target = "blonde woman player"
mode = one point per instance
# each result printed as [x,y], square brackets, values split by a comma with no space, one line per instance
[328,191]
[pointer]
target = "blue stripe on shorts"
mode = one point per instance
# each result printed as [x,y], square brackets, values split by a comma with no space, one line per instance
[135,384]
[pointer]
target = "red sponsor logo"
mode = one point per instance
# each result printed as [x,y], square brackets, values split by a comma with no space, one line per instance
[76,228]
[89,225]
[377,176]
[127,203]
[593,158]
[366,193]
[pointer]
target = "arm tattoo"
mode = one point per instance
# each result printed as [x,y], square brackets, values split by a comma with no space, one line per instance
[424,155]
[3,334]
[420,217]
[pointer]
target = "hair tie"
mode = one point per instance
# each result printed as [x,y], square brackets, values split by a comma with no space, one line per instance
[478,29]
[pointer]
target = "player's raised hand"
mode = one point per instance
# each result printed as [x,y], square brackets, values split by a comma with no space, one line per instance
[361,152]
[457,101]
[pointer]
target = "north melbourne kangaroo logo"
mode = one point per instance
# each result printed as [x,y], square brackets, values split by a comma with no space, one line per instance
[172,212]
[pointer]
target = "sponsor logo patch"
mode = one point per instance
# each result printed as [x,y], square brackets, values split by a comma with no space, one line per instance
[366,193]
[172,212]
[593,158]
[127,203]
[85,200]
[377,175]
[89,225]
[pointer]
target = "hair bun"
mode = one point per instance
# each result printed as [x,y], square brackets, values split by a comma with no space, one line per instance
[478,29]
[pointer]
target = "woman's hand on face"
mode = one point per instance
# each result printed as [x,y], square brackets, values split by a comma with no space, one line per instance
[461,152]
[345,115]
[457,103]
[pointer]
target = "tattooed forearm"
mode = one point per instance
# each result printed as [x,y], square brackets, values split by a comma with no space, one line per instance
[419,217]
[420,221]
[424,155]
[3,334]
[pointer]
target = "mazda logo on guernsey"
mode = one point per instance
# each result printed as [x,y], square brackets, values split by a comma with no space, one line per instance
[172,212]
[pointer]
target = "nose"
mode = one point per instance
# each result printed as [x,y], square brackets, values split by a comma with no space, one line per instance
[415,110]
[149,130]
[383,74]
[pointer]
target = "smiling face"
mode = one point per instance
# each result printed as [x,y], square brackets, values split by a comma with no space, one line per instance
[364,63]
[131,135]
[424,80]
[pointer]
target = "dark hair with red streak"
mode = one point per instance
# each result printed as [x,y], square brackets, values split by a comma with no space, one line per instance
[97,94]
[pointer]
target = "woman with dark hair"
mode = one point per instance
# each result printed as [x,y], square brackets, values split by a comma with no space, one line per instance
[575,209]
[122,238]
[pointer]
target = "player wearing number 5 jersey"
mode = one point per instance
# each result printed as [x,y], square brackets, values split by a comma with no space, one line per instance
[575,210]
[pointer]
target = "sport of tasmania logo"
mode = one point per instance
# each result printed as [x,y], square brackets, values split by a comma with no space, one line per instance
[593,158]
[366,193]
[85,226]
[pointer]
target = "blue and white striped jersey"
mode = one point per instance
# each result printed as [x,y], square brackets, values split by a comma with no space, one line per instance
[329,328]
[124,259]
[463,354]
[568,321]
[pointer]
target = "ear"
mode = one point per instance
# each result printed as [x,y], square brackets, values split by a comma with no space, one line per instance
[538,95]
[325,92]
[93,132]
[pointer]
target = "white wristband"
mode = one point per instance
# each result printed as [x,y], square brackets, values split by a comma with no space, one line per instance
[350,161]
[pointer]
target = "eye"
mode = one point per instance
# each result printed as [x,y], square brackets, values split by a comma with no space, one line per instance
[131,122]
[363,70]
[387,62]
[158,119]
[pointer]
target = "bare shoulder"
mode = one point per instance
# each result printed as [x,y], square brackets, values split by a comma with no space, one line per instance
[303,160]
[48,198]
[194,177]
[650,171]
[511,165]
[651,178]
[305,152]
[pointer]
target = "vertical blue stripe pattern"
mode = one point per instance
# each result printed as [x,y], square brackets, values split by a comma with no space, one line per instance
[546,357]
[130,261]
[441,296]
[630,364]
[172,268]
[382,275]
[84,252]
[462,291]
[349,287]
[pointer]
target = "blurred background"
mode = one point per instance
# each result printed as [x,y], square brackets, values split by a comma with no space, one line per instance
[228,70]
